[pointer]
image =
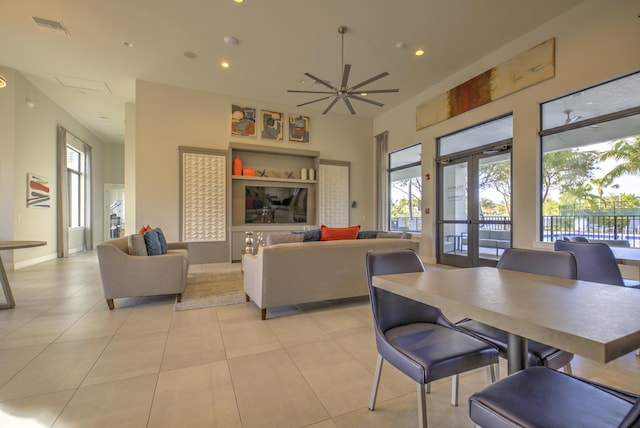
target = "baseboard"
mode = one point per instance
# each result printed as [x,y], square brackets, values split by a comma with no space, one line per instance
[35,261]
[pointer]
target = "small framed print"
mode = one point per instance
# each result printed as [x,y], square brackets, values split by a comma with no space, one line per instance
[243,121]
[38,191]
[299,128]
[272,125]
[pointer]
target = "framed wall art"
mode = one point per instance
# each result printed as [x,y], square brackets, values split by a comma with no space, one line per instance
[299,128]
[243,121]
[272,125]
[38,191]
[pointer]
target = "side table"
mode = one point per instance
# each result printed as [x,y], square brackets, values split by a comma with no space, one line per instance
[4,281]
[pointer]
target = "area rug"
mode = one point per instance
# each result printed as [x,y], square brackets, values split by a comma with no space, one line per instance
[208,289]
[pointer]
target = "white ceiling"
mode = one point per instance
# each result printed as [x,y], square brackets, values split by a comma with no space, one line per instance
[280,40]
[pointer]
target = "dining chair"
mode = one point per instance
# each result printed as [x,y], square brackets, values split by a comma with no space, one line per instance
[561,264]
[417,338]
[596,263]
[540,397]
[576,239]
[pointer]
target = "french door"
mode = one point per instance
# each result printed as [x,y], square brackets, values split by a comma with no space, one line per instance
[474,214]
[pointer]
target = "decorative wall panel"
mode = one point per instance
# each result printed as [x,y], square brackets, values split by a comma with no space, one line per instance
[333,189]
[204,197]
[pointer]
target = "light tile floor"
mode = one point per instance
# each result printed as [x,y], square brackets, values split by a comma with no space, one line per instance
[67,361]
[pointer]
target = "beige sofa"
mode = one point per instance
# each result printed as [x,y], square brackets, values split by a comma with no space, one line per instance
[127,275]
[302,272]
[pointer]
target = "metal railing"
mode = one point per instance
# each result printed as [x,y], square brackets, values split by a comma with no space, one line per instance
[610,227]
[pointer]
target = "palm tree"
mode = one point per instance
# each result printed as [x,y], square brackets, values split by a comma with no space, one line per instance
[627,151]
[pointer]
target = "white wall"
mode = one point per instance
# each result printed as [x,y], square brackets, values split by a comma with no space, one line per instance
[34,151]
[167,117]
[595,41]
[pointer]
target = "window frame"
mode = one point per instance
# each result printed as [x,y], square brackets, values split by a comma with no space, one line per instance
[390,171]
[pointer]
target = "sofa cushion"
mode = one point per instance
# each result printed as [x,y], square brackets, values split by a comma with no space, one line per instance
[163,240]
[309,235]
[284,238]
[152,242]
[396,235]
[368,234]
[137,246]
[338,233]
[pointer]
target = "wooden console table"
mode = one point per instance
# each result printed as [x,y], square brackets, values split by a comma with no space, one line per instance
[6,288]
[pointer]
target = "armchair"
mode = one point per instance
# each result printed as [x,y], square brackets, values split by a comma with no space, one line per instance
[126,275]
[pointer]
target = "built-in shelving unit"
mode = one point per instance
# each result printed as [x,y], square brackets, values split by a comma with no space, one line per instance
[282,169]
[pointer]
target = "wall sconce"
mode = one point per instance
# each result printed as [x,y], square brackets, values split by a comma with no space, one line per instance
[3,82]
[354,204]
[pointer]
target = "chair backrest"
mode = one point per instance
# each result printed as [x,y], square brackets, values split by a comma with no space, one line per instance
[554,263]
[632,419]
[576,239]
[596,261]
[389,309]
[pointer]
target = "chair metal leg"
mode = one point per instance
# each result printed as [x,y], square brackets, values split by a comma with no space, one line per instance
[455,382]
[429,388]
[422,406]
[491,372]
[567,369]
[376,383]
[638,352]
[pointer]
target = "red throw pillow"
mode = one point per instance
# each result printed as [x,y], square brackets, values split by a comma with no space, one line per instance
[337,233]
[143,229]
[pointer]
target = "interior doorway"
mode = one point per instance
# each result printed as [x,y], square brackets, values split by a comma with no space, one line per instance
[114,221]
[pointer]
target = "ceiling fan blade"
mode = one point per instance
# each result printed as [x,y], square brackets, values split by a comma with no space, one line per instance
[335,100]
[349,106]
[345,76]
[310,92]
[320,81]
[314,101]
[380,91]
[373,79]
[355,97]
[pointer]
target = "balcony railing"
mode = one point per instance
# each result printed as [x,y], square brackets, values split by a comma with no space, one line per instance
[610,227]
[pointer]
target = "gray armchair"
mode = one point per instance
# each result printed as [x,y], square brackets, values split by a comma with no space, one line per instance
[127,275]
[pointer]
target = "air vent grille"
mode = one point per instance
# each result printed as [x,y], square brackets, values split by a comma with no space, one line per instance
[51,25]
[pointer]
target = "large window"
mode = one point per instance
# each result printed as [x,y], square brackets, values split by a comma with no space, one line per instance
[591,163]
[75,187]
[405,190]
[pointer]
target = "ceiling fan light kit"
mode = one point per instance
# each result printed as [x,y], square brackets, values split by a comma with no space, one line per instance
[344,92]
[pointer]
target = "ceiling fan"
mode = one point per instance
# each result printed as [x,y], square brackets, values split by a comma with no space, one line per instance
[344,92]
[571,119]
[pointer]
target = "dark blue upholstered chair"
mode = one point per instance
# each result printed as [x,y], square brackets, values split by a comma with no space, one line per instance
[416,338]
[540,397]
[596,262]
[532,261]
[576,239]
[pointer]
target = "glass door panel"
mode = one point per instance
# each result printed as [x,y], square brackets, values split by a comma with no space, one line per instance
[474,219]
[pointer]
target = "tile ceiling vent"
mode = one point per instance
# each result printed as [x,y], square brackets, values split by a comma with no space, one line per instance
[50,25]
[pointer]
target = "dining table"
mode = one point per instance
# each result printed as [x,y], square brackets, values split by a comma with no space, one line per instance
[596,321]
[9,301]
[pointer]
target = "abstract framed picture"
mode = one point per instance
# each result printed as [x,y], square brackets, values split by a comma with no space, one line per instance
[243,121]
[299,128]
[38,191]
[272,125]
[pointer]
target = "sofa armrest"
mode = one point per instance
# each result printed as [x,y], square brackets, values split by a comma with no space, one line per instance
[252,276]
[178,246]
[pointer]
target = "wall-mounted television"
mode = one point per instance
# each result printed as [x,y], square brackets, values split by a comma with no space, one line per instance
[275,204]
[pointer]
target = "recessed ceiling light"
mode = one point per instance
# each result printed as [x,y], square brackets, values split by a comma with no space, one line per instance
[225,64]
[190,55]
[128,44]
[363,94]
[420,52]
[231,41]
[29,103]
[3,82]
[238,1]
[400,45]
[105,118]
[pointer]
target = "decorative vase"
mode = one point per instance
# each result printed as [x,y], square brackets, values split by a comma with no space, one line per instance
[248,241]
[237,166]
[303,174]
[312,174]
